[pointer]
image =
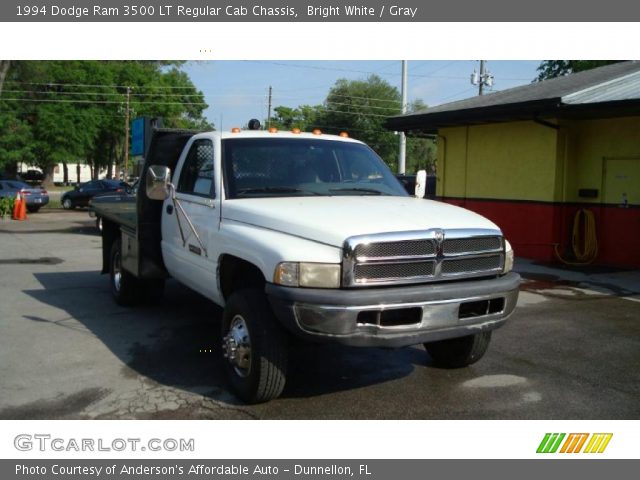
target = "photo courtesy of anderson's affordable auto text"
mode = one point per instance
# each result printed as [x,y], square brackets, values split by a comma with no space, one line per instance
[284,240]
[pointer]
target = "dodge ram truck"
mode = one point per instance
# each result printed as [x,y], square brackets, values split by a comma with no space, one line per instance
[305,236]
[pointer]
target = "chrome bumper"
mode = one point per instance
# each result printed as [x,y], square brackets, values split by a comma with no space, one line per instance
[420,314]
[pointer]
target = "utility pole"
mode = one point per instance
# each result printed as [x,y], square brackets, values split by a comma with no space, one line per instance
[403,139]
[269,110]
[126,134]
[484,79]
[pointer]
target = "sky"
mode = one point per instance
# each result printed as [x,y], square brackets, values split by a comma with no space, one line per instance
[237,91]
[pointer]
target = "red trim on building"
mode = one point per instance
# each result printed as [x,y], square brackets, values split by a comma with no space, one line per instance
[533,228]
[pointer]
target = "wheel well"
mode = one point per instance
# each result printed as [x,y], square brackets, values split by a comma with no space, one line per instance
[236,273]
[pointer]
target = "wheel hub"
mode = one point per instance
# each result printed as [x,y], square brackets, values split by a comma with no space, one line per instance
[236,346]
[117,274]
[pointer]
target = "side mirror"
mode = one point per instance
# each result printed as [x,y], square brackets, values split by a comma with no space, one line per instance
[421,183]
[157,182]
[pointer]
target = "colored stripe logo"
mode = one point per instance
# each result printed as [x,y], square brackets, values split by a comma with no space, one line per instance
[574,443]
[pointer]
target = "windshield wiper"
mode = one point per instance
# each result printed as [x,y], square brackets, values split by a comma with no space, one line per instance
[275,190]
[371,191]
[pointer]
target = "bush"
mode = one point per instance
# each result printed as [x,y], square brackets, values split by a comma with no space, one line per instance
[6,206]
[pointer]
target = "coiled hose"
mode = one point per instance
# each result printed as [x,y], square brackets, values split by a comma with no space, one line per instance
[588,251]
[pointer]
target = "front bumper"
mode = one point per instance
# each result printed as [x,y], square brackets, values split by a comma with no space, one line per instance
[434,311]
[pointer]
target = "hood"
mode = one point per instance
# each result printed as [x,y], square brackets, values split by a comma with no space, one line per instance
[331,220]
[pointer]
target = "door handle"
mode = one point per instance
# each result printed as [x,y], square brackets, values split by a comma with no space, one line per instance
[169,209]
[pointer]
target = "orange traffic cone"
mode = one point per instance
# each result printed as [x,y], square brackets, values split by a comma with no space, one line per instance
[19,208]
[22,213]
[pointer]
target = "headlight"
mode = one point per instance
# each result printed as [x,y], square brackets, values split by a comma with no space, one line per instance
[315,275]
[508,257]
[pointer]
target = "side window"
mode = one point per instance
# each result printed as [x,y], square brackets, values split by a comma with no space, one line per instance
[196,176]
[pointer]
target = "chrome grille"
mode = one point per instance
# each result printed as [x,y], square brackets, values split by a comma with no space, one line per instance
[471,245]
[365,271]
[421,256]
[471,265]
[409,248]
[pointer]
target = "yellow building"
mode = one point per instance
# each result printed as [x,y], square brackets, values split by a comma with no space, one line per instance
[532,157]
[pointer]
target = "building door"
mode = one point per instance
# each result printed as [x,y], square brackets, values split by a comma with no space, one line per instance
[622,181]
[620,229]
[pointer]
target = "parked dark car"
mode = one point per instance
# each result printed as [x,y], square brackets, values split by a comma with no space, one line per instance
[126,200]
[36,197]
[409,183]
[80,196]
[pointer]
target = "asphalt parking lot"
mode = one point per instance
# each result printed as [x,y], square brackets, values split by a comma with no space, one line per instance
[570,351]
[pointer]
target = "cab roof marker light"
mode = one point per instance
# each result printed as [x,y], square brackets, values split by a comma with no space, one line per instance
[344,134]
[273,130]
[295,130]
[235,130]
[317,131]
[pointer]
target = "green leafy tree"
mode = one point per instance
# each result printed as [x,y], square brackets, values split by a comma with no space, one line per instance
[360,108]
[16,141]
[557,68]
[74,111]
[304,117]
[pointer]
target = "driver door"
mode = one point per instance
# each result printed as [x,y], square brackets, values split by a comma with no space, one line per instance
[190,225]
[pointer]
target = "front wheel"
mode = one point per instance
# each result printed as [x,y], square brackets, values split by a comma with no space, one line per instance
[459,352]
[254,347]
[67,204]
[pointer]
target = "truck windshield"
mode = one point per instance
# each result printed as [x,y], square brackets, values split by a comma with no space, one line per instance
[283,167]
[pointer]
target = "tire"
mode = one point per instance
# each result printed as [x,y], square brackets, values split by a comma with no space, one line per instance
[254,347]
[124,286]
[67,204]
[459,352]
[33,209]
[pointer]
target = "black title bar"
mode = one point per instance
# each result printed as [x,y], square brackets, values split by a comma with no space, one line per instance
[321,11]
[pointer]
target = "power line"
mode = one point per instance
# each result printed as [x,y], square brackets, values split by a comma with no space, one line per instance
[355,105]
[397,102]
[43,100]
[98,85]
[107,94]
[349,70]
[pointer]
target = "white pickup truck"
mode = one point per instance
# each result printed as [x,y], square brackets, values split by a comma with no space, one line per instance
[305,236]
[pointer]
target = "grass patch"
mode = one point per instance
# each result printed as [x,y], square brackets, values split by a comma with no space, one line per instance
[53,203]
